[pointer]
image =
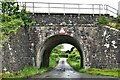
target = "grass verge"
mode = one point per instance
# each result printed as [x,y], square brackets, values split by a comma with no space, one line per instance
[27,71]
[74,64]
[30,70]
[95,71]
[102,72]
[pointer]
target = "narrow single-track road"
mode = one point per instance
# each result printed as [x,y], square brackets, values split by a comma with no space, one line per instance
[64,71]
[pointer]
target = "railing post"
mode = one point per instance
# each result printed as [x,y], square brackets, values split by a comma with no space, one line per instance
[93,9]
[78,9]
[48,8]
[33,7]
[25,6]
[100,9]
[64,8]
[118,8]
[106,7]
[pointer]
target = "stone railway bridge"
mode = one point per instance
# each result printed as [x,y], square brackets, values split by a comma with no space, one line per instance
[99,46]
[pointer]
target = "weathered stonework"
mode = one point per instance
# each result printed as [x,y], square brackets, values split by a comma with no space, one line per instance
[108,47]
[55,19]
[103,47]
[98,46]
[99,51]
[16,52]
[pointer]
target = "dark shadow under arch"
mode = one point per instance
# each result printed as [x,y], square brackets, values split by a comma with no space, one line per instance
[55,40]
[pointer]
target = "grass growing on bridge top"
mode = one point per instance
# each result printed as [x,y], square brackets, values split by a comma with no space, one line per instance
[113,22]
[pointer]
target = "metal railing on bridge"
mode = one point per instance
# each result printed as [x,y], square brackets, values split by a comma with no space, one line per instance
[45,7]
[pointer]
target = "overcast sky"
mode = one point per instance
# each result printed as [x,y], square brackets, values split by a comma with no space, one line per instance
[67,47]
[38,6]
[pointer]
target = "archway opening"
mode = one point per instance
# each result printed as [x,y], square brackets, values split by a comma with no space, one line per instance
[50,43]
[67,52]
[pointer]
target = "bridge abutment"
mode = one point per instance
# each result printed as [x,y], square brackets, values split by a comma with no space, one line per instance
[98,46]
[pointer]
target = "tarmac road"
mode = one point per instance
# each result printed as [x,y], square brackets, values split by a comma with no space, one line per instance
[63,71]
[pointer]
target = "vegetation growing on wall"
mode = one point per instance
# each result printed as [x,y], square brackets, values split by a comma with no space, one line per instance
[103,20]
[11,19]
[113,23]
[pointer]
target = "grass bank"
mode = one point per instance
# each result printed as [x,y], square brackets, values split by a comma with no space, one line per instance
[95,71]
[30,70]
[74,64]
[27,71]
[102,72]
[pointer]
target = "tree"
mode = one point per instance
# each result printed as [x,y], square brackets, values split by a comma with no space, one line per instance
[10,22]
[67,51]
[57,49]
[74,55]
[11,19]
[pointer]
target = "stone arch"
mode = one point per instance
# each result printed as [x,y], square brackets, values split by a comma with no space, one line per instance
[51,42]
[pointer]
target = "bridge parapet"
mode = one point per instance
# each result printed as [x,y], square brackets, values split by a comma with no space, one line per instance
[57,19]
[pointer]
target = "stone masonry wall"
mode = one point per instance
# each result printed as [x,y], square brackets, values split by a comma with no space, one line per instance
[17,52]
[43,19]
[103,45]
[97,52]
